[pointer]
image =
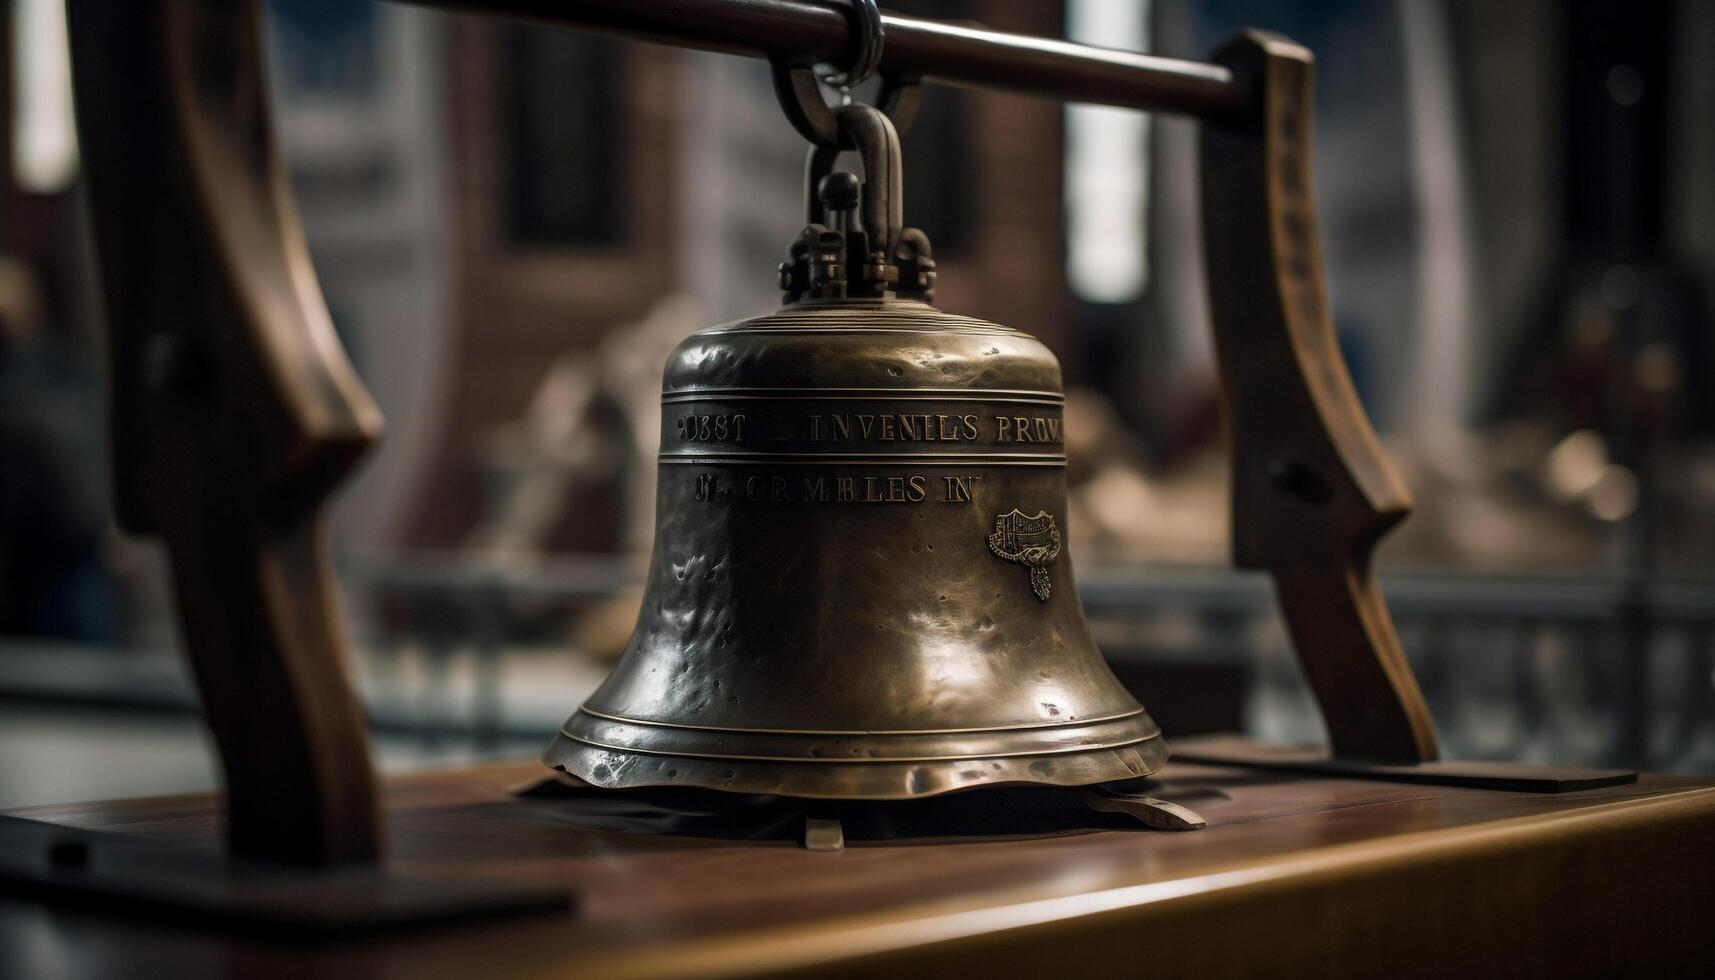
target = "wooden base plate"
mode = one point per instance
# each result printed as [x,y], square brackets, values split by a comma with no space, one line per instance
[1234,750]
[177,884]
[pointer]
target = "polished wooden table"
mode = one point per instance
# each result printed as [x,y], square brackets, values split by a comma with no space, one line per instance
[1295,876]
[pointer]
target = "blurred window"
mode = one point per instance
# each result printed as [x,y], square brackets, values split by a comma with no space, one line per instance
[939,169]
[565,137]
[327,47]
[1107,167]
[44,146]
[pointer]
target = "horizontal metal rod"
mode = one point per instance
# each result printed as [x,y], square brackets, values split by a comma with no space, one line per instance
[946,52]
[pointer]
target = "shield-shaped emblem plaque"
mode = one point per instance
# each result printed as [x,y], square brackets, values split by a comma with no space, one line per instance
[1033,541]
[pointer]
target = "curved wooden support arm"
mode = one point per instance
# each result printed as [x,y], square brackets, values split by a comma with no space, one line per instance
[234,410]
[1312,492]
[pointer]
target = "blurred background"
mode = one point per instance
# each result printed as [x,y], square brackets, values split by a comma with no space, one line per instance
[514,225]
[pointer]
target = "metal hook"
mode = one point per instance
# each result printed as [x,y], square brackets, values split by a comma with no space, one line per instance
[800,96]
[873,135]
[797,84]
[870,36]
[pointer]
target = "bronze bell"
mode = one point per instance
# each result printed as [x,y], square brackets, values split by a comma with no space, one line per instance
[860,587]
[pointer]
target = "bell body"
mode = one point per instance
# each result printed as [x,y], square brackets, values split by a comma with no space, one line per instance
[858,586]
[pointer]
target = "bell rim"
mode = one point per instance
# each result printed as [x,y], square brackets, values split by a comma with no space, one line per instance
[882,780]
[869,765]
[605,732]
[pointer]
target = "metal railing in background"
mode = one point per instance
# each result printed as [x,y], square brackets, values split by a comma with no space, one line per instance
[1572,670]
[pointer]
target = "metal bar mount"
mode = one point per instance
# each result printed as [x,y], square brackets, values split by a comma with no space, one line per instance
[954,54]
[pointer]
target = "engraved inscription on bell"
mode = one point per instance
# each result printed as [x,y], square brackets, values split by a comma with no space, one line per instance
[1032,541]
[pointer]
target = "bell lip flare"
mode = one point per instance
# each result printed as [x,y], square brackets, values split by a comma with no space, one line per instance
[869,766]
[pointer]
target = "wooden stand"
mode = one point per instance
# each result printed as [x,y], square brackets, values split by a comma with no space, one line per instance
[1295,875]
[236,415]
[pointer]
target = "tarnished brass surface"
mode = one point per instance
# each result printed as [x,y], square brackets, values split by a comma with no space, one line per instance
[859,587]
